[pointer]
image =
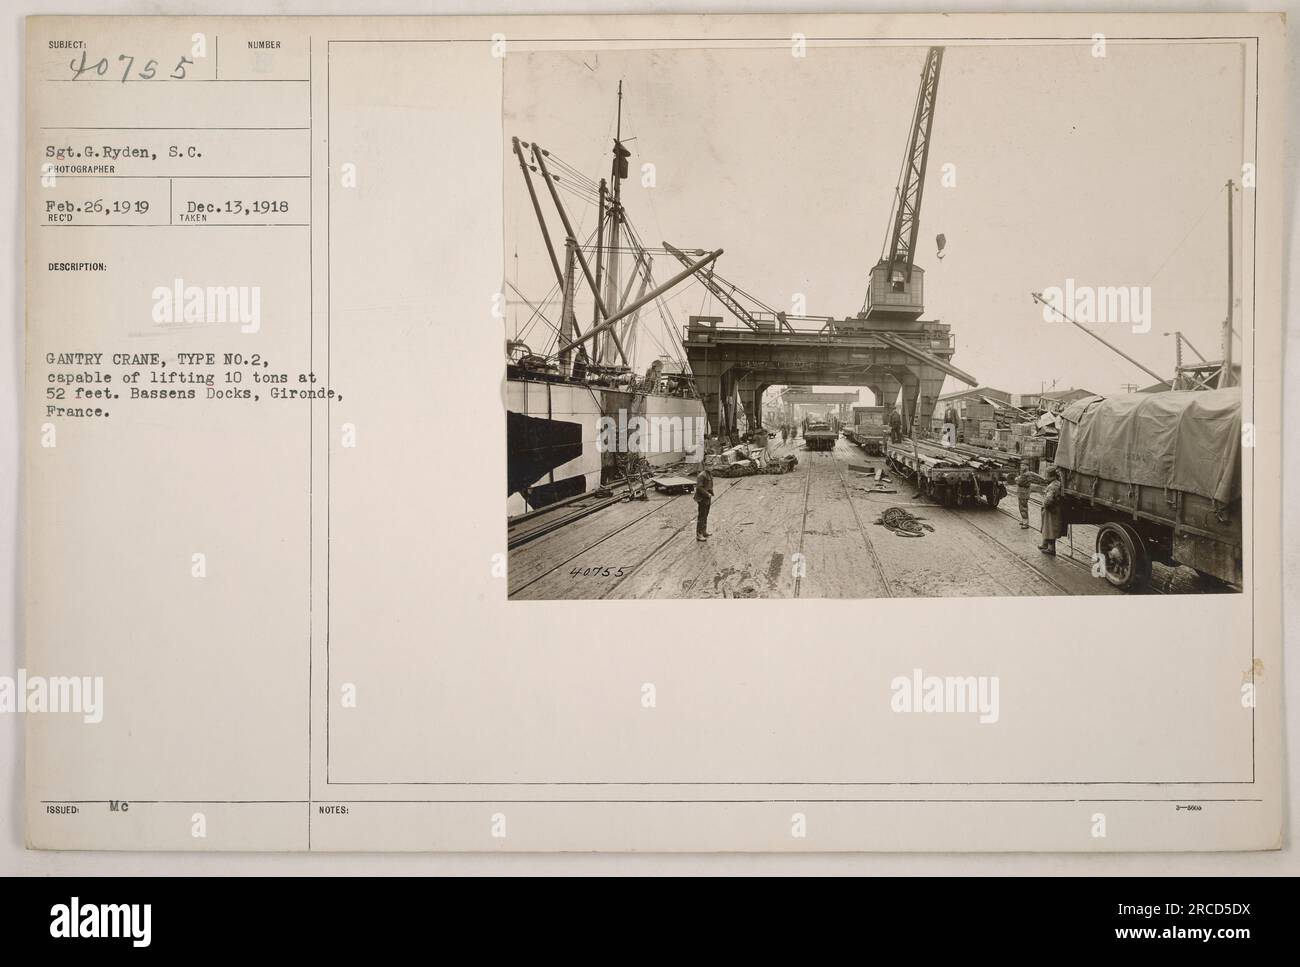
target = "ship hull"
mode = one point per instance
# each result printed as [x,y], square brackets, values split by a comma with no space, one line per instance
[558,436]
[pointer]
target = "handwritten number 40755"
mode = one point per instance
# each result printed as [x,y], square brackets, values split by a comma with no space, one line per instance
[100,68]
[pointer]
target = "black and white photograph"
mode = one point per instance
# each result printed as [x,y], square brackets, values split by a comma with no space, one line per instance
[970,330]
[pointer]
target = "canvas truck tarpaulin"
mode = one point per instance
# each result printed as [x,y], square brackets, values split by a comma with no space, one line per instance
[1188,441]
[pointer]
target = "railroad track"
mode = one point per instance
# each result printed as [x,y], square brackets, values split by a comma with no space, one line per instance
[653,510]
[689,522]
[1011,552]
[866,539]
[1083,564]
[1068,557]
[1008,549]
[803,523]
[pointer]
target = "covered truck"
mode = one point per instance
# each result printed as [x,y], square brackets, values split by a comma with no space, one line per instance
[1160,476]
[869,428]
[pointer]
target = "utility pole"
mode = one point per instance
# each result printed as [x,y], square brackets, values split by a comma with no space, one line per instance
[1226,377]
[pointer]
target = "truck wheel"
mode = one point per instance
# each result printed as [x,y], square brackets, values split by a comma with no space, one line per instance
[1124,554]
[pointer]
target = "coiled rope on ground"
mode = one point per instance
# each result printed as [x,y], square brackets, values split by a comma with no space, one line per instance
[903,522]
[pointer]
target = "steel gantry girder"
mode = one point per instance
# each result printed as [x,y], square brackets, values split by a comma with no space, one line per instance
[907,356]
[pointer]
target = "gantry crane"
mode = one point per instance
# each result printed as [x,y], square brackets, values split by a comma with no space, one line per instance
[886,346]
[896,289]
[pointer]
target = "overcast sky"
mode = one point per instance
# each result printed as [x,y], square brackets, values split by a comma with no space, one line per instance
[1067,166]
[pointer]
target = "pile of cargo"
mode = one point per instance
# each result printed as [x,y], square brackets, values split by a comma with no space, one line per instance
[1025,441]
[746,460]
[1004,428]
[977,421]
[1019,438]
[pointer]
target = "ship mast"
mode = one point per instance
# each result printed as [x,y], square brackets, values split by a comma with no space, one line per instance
[618,172]
[614,311]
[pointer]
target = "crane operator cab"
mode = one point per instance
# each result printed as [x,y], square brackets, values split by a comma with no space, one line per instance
[891,295]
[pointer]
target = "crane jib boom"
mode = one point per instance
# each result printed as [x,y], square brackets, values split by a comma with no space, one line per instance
[718,287]
[907,221]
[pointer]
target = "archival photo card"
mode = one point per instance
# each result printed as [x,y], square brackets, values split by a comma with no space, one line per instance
[888,410]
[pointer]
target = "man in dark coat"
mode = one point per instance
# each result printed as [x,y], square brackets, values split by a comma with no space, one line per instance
[703,500]
[895,426]
[1053,518]
[949,426]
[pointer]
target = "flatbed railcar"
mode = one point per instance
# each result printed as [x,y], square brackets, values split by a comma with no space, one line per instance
[820,436]
[868,429]
[950,475]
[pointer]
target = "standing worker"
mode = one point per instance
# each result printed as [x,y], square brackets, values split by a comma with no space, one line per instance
[949,426]
[703,500]
[1053,518]
[895,426]
[1023,481]
[763,440]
